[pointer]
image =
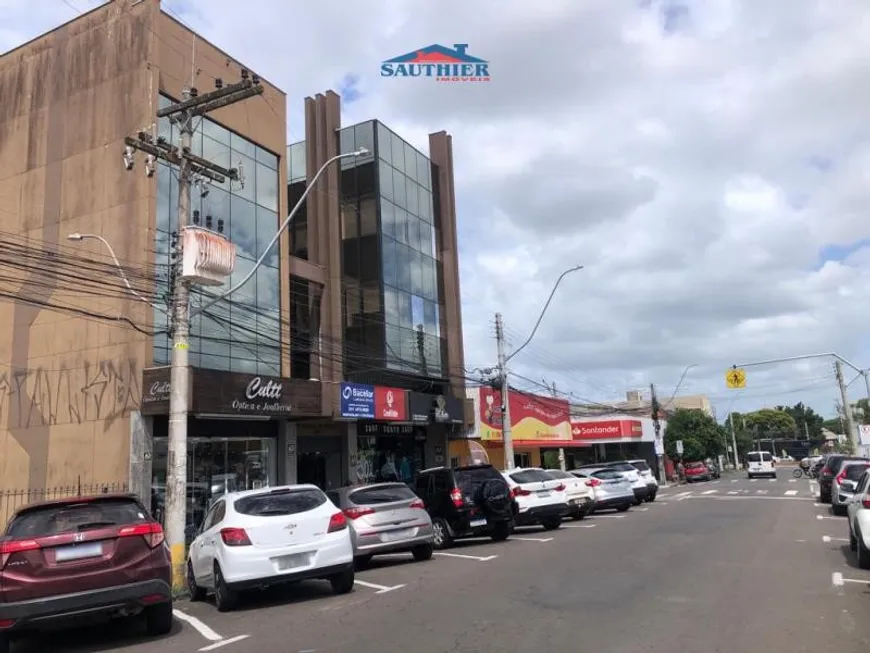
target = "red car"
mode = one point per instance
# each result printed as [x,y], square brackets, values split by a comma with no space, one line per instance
[696,472]
[101,556]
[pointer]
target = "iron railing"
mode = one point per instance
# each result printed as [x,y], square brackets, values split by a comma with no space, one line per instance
[13,499]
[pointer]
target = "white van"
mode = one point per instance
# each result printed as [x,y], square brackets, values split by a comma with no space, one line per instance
[760,463]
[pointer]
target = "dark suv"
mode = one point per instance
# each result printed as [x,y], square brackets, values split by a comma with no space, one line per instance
[61,561]
[830,469]
[470,501]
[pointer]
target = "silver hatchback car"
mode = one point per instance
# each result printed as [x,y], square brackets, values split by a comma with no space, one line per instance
[385,518]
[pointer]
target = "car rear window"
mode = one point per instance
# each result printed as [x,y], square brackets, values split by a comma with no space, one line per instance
[54,519]
[755,457]
[695,466]
[641,466]
[280,502]
[531,476]
[607,474]
[469,479]
[381,494]
[837,464]
[854,471]
[624,467]
[558,473]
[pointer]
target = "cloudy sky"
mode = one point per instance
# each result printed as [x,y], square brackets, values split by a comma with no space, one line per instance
[707,161]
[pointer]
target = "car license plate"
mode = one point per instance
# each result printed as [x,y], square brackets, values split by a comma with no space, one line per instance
[475,523]
[79,551]
[293,561]
[395,536]
[543,493]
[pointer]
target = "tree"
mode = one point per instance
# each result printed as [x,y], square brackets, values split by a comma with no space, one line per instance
[770,422]
[834,425]
[701,435]
[806,419]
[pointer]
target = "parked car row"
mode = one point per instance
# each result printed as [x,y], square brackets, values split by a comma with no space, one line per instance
[106,556]
[844,482]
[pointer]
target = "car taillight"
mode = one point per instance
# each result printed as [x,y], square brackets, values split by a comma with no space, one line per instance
[841,477]
[866,503]
[560,487]
[16,546]
[153,533]
[826,470]
[6,623]
[592,482]
[337,522]
[520,492]
[418,503]
[235,537]
[456,497]
[356,512]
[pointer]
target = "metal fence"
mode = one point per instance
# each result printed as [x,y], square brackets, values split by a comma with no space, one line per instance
[12,499]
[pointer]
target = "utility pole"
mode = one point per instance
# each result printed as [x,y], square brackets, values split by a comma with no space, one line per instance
[733,440]
[657,429]
[847,409]
[505,394]
[555,394]
[191,168]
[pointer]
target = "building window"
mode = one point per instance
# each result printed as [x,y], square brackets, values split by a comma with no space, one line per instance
[241,334]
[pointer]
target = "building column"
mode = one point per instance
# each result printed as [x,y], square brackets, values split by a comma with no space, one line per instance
[351,459]
[141,455]
[288,455]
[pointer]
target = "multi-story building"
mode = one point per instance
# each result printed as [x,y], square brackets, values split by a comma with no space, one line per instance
[83,367]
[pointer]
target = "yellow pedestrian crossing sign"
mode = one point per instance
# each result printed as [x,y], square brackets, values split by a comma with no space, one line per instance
[736,378]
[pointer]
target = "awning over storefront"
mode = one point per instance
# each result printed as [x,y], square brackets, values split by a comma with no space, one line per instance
[538,444]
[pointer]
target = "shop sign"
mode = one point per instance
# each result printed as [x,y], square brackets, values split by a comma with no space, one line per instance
[442,409]
[374,429]
[242,394]
[618,429]
[391,404]
[155,391]
[357,401]
[533,417]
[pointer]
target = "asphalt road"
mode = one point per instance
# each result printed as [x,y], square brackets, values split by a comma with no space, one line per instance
[732,565]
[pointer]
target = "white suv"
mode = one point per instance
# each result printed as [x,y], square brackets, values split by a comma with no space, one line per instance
[540,497]
[760,463]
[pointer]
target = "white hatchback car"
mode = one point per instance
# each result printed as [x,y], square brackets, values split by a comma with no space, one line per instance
[858,515]
[269,536]
[760,463]
[540,497]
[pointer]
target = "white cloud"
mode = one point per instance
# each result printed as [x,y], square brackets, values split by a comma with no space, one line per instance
[697,173]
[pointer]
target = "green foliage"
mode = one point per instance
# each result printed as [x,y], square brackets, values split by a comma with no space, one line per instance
[834,425]
[770,422]
[806,419]
[702,437]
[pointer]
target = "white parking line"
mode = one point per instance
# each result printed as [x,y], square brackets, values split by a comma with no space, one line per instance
[838,580]
[199,626]
[790,493]
[819,505]
[640,509]
[224,642]
[734,492]
[771,480]
[532,539]
[753,480]
[609,517]
[792,480]
[382,589]
[466,557]
[734,480]
[579,525]
[820,517]
[826,539]
[761,492]
[710,492]
[715,482]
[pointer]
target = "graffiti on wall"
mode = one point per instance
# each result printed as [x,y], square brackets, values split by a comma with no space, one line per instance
[105,390]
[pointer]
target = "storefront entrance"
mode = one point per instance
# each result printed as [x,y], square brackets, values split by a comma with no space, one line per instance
[389,452]
[222,456]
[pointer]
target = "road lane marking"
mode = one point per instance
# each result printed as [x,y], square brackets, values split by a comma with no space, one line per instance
[382,589]
[734,492]
[224,642]
[761,492]
[734,480]
[466,557]
[716,482]
[772,480]
[640,509]
[753,480]
[838,580]
[791,493]
[751,497]
[710,492]
[827,538]
[819,505]
[821,517]
[198,625]
[792,480]
[609,517]
[579,525]
[532,539]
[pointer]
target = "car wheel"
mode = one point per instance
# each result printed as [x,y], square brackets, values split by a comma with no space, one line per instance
[363,561]
[158,618]
[422,552]
[637,502]
[552,524]
[853,541]
[225,599]
[651,497]
[839,511]
[5,644]
[342,583]
[501,532]
[196,592]
[624,508]
[443,539]
[577,516]
[863,553]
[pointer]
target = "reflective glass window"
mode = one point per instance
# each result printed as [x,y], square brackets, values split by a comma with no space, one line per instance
[296,161]
[268,290]
[405,309]
[267,158]
[216,152]
[385,180]
[364,137]
[398,153]
[400,227]
[426,238]
[394,346]
[385,146]
[413,232]
[246,186]
[399,195]
[430,323]
[214,131]
[403,267]
[388,247]
[416,273]
[410,168]
[267,226]
[346,146]
[422,170]
[391,305]
[424,203]
[242,145]
[428,278]
[243,227]
[411,196]
[388,217]
[267,187]
[368,217]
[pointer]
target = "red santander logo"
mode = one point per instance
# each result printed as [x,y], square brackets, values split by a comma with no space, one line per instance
[391,404]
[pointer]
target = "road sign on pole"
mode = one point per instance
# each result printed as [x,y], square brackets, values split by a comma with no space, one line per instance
[680,447]
[735,378]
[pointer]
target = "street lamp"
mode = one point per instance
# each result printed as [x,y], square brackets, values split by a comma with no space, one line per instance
[79,237]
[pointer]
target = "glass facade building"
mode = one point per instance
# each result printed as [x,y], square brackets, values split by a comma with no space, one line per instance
[242,335]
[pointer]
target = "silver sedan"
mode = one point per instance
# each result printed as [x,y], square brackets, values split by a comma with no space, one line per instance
[385,518]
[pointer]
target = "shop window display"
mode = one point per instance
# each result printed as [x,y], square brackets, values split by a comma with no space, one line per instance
[388,459]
